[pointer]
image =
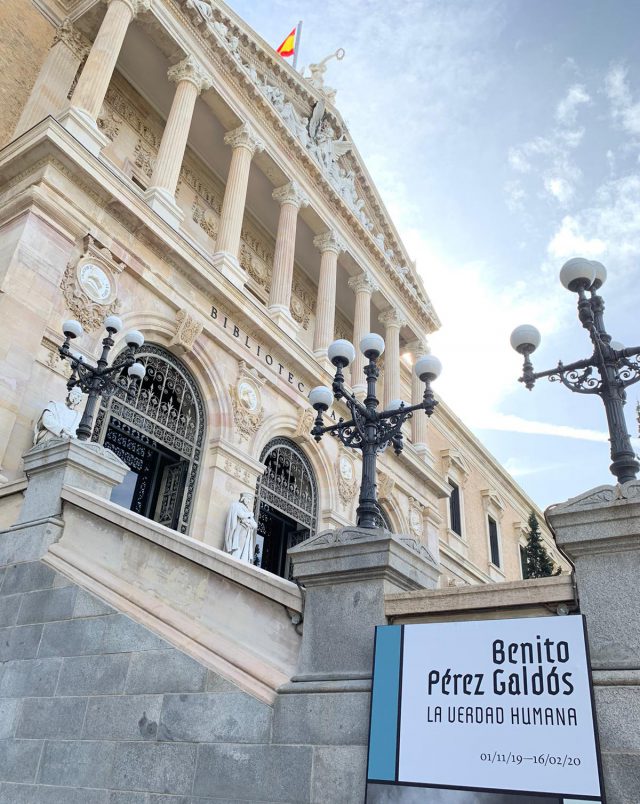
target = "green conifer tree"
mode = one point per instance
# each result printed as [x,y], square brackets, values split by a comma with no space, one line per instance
[538,563]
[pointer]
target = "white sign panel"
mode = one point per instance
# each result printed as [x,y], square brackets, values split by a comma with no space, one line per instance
[498,705]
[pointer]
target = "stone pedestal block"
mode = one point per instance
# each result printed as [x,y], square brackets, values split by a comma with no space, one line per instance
[49,466]
[600,532]
[347,573]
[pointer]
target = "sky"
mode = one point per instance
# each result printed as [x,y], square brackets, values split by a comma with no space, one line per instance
[504,138]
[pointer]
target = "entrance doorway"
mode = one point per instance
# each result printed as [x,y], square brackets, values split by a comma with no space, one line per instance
[159,434]
[286,505]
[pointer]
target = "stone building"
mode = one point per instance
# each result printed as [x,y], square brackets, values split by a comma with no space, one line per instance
[161,162]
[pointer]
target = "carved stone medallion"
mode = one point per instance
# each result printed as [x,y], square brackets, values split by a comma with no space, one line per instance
[246,401]
[347,482]
[89,284]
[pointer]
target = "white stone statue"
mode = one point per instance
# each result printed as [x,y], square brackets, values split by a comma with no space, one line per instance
[240,529]
[204,7]
[296,124]
[59,419]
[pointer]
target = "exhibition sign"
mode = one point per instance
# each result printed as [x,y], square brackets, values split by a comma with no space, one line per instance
[492,705]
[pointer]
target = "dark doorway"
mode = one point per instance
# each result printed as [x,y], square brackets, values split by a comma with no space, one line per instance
[154,484]
[276,534]
[286,505]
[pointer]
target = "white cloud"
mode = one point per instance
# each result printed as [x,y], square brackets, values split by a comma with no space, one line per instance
[569,241]
[624,109]
[567,109]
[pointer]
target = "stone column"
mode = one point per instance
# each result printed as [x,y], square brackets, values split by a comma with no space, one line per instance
[363,286]
[600,532]
[346,573]
[393,322]
[244,143]
[49,93]
[291,199]
[418,348]
[91,89]
[330,246]
[191,80]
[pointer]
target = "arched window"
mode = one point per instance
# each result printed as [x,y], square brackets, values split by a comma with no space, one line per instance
[159,434]
[286,504]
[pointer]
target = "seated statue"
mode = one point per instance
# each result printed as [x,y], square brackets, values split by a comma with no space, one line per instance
[59,419]
[240,530]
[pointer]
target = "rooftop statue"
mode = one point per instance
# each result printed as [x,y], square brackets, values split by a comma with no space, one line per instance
[316,79]
[240,530]
[59,419]
[296,124]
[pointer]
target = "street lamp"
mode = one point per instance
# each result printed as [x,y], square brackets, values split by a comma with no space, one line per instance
[368,429]
[615,371]
[99,380]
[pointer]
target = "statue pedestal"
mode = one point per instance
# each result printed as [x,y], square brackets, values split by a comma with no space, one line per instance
[49,466]
[347,573]
[600,532]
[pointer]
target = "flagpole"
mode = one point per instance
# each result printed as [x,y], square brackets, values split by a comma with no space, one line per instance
[297,44]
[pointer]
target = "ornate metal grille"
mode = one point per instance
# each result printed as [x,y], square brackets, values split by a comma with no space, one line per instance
[167,410]
[288,483]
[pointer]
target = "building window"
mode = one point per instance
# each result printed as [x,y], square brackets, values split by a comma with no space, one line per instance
[159,434]
[286,505]
[494,543]
[523,561]
[455,515]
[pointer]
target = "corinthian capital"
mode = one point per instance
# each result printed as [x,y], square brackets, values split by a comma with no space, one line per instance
[136,6]
[291,193]
[363,282]
[72,38]
[329,241]
[418,347]
[244,137]
[189,70]
[392,318]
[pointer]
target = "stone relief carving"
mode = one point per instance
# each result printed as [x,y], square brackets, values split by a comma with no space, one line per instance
[144,159]
[247,416]
[77,43]
[306,418]
[188,329]
[89,284]
[200,216]
[237,470]
[347,480]
[386,484]
[109,122]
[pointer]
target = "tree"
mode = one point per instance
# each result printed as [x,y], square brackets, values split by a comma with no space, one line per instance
[537,561]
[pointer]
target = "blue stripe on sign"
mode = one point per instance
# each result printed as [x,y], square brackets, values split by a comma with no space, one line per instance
[384,704]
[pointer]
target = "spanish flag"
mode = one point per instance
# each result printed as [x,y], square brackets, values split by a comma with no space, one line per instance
[287,48]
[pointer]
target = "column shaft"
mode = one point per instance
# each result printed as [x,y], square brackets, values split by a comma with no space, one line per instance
[94,80]
[419,421]
[391,363]
[49,93]
[235,196]
[363,286]
[281,281]
[174,138]
[326,304]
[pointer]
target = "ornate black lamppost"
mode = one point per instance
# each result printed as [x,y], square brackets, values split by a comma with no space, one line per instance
[615,371]
[368,429]
[100,380]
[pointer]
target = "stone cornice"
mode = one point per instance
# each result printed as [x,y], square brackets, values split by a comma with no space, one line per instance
[291,193]
[189,70]
[418,347]
[136,6]
[77,43]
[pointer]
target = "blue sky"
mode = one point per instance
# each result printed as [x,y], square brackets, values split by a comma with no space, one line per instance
[504,138]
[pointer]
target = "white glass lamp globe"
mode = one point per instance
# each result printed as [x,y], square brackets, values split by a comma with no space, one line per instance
[72,329]
[395,404]
[341,351]
[321,397]
[134,338]
[577,273]
[137,370]
[601,274]
[427,367]
[372,343]
[525,339]
[113,324]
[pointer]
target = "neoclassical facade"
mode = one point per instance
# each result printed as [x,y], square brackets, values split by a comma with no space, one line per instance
[162,163]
